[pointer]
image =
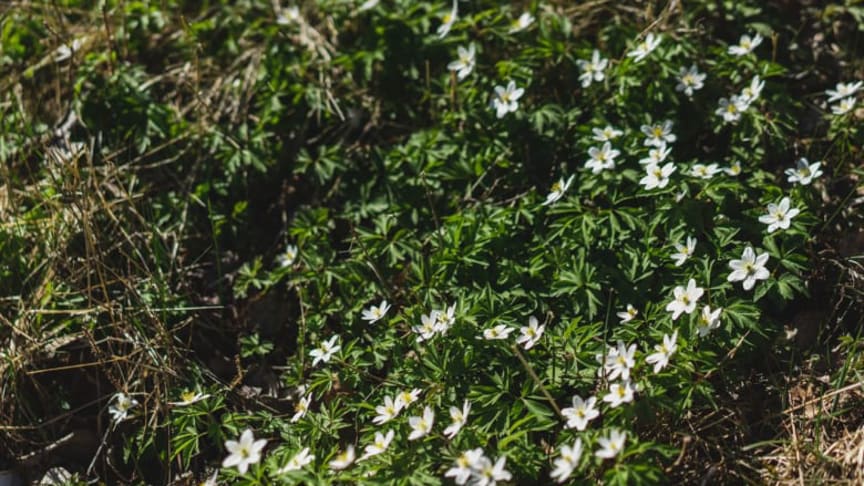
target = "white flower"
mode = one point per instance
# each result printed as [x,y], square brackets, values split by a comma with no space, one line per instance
[683,252]
[287,258]
[657,177]
[488,474]
[299,461]
[447,21]
[751,93]
[420,426]
[531,333]
[466,463]
[645,47]
[557,191]
[407,397]
[374,313]
[498,332]
[301,408]
[619,393]
[685,299]
[664,351]
[602,158]
[745,45]
[734,168]
[211,481]
[522,23]
[325,351]
[708,320]
[465,62]
[731,109]
[288,15]
[388,411]
[568,461]
[65,51]
[368,5]
[379,445]
[611,445]
[659,134]
[843,90]
[428,326]
[445,319]
[189,397]
[122,404]
[779,215]
[580,413]
[656,155]
[344,459]
[628,315]
[845,106]
[703,171]
[506,99]
[458,417]
[619,361]
[690,80]
[592,70]
[749,268]
[804,172]
[606,134]
[245,452]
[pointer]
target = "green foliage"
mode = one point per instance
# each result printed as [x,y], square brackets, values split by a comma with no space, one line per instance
[342,135]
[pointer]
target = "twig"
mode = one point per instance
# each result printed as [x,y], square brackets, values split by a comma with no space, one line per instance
[536,379]
[823,397]
[795,447]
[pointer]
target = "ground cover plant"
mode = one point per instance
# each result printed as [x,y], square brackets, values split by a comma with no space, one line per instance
[406,242]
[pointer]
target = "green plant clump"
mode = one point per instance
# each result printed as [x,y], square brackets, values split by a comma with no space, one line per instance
[405,242]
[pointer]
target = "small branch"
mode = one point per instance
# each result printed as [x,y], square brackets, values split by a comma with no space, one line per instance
[536,379]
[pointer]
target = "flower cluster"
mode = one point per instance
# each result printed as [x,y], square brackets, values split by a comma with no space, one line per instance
[731,109]
[529,335]
[473,466]
[628,366]
[845,94]
[434,323]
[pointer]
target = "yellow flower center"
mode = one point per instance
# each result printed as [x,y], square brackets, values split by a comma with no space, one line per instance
[187,396]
